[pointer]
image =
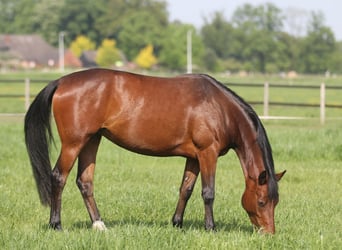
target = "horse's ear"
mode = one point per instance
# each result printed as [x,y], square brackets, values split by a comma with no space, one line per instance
[280,175]
[262,179]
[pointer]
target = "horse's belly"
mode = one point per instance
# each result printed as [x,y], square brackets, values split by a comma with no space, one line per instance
[150,140]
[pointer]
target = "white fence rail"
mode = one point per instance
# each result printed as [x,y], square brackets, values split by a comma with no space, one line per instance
[322,105]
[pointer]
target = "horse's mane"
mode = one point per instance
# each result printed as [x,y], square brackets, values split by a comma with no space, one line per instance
[262,138]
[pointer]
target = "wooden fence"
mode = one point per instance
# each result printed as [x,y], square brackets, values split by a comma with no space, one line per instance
[322,105]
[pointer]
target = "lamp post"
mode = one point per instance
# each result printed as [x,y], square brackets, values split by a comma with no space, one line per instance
[189,52]
[61,50]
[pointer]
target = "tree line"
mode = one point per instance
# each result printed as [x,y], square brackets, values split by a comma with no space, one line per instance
[253,39]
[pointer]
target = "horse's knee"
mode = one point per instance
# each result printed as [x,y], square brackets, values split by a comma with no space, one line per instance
[208,195]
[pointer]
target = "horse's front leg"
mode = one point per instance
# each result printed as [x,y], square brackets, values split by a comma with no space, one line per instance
[207,161]
[189,179]
[84,181]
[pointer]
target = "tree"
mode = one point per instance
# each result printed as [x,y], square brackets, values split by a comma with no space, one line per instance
[262,17]
[219,36]
[254,39]
[287,57]
[15,16]
[145,58]
[140,28]
[7,14]
[79,18]
[46,19]
[335,63]
[110,22]
[211,60]
[174,46]
[260,27]
[80,44]
[318,46]
[107,55]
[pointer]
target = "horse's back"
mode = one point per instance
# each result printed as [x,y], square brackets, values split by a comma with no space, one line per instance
[150,115]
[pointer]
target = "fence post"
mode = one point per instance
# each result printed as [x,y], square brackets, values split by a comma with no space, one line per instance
[266,98]
[322,103]
[27,93]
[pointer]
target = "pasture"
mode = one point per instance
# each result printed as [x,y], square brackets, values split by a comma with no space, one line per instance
[137,196]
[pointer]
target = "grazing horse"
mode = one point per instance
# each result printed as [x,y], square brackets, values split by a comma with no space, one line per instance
[193,116]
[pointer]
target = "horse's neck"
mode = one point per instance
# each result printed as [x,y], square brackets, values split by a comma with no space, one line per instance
[250,154]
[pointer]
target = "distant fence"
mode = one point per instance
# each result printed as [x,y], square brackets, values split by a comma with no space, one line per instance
[322,105]
[26,89]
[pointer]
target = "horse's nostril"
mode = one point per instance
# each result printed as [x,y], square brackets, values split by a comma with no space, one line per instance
[261,203]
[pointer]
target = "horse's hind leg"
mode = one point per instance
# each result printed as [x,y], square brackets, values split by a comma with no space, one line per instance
[59,176]
[85,176]
[189,179]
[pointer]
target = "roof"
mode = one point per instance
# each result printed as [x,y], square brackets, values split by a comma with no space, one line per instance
[88,58]
[31,48]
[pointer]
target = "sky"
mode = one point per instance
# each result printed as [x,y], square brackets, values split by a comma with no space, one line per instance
[194,11]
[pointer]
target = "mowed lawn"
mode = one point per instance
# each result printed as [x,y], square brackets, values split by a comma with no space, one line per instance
[137,196]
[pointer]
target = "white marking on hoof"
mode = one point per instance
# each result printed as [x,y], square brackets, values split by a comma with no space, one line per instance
[99,225]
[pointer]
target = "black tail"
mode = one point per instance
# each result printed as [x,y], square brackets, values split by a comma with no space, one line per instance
[38,136]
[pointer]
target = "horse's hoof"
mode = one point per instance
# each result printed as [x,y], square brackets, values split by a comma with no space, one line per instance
[99,225]
[177,221]
[56,226]
[210,228]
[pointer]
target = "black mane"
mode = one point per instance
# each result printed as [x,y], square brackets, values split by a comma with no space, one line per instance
[262,139]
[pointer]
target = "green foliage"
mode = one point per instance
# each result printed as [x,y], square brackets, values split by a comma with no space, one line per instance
[219,36]
[254,39]
[318,46]
[79,18]
[46,22]
[141,28]
[259,26]
[107,55]
[14,16]
[81,43]
[145,58]
[174,47]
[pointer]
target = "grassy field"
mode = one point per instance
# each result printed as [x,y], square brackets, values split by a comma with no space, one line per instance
[137,196]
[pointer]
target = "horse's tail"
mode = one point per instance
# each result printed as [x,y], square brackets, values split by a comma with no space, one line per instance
[38,136]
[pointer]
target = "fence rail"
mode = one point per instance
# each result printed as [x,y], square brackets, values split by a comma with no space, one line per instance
[322,105]
[266,102]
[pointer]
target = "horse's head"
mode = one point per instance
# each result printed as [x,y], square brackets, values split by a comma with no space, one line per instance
[258,204]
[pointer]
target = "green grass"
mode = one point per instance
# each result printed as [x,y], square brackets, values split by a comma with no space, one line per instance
[137,196]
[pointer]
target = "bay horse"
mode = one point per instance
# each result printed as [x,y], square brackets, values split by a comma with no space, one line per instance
[193,116]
